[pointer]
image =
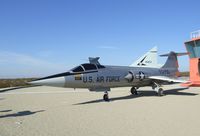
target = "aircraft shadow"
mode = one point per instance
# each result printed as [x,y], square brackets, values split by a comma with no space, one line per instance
[176,91]
[2,99]
[21,114]
[16,88]
[6,111]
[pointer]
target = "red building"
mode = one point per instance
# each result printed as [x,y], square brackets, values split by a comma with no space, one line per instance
[193,48]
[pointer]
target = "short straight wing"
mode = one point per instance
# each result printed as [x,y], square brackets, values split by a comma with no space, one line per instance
[168,79]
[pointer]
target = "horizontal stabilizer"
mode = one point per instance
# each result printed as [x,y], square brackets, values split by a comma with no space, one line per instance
[177,54]
[172,61]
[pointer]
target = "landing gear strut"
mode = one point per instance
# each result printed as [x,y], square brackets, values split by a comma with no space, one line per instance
[160,92]
[157,88]
[134,91]
[106,97]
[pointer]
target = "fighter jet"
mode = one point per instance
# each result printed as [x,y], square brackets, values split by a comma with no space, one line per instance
[101,78]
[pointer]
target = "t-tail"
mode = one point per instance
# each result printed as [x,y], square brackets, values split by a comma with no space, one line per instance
[172,62]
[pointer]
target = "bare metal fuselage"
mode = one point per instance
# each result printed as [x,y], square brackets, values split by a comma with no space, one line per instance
[108,77]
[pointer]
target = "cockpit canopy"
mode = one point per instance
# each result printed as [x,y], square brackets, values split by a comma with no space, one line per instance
[87,67]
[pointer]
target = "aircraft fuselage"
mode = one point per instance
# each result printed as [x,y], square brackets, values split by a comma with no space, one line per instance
[108,77]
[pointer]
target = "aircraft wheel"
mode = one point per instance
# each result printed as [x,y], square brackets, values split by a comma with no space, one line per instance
[106,97]
[160,92]
[134,91]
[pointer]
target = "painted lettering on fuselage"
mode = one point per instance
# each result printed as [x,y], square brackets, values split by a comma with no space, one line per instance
[164,72]
[112,79]
[88,79]
[101,79]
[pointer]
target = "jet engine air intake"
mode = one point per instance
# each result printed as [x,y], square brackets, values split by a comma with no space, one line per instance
[129,77]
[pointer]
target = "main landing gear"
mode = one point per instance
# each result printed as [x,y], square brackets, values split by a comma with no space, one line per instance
[134,91]
[156,87]
[106,97]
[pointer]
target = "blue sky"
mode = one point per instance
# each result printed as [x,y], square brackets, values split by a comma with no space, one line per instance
[39,37]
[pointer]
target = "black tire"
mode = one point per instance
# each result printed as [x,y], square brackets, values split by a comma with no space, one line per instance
[134,91]
[106,98]
[160,92]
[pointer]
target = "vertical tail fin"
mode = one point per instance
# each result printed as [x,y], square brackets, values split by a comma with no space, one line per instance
[172,61]
[147,60]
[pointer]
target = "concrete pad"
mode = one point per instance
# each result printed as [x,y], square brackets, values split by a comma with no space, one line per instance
[53,111]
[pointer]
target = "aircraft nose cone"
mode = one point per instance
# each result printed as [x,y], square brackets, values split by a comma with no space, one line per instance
[57,82]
